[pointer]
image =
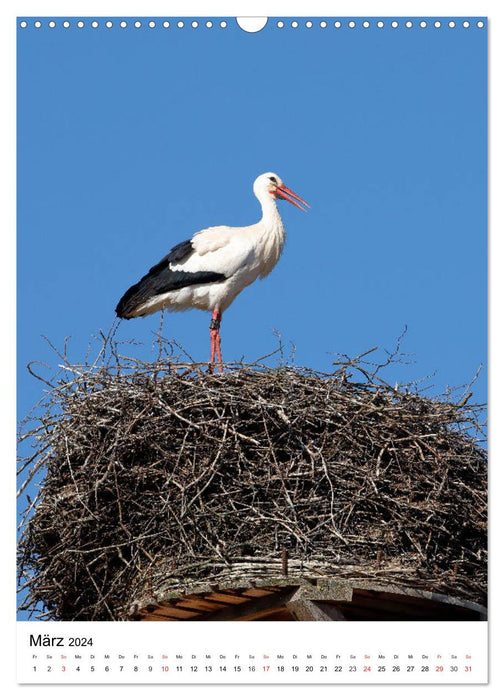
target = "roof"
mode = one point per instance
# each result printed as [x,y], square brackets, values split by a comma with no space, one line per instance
[296,599]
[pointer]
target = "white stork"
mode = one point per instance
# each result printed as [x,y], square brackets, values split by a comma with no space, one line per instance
[209,270]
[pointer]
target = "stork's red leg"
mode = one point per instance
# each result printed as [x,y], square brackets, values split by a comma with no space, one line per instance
[218,348]
[215,340]
[212,348]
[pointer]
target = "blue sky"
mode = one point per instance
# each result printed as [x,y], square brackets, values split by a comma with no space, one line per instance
[130,140]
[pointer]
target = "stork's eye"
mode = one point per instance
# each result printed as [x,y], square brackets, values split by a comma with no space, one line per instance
[273,179]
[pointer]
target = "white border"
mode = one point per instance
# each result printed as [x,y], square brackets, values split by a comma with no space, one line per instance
[272,8]
[9,9]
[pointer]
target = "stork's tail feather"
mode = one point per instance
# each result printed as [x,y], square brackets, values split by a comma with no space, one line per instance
[125,309]
[131,301]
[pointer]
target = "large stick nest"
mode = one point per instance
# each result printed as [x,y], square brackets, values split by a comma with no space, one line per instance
[161,474]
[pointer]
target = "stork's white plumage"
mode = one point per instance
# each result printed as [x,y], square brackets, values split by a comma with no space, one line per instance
[209,270]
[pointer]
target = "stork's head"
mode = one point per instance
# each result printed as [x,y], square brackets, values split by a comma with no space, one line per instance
[271,185]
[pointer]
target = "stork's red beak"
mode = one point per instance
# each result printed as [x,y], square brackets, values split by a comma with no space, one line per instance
[285,193]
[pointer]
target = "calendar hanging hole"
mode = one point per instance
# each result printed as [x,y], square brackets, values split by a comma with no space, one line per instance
[252,24]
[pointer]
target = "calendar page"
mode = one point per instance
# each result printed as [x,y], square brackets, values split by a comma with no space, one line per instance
[251,354]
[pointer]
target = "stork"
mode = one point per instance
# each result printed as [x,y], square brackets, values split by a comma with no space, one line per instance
[209,270]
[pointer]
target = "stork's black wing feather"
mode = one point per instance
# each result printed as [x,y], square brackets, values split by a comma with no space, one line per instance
[161,279]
